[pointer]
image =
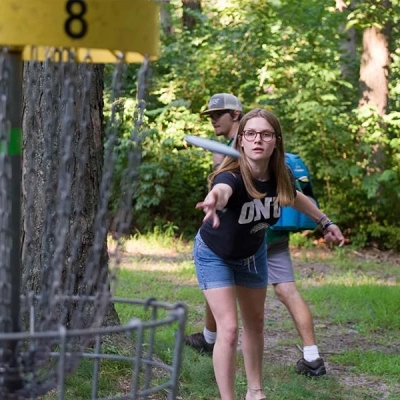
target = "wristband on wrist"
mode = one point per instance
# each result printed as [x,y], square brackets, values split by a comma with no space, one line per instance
[326,224]
[323,221]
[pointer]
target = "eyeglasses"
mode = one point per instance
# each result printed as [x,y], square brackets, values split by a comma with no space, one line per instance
[250,135]
[218,114]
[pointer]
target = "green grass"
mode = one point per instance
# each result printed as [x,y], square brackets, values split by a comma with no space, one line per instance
[367,308]
[354,302]
[79,384]
[374,363]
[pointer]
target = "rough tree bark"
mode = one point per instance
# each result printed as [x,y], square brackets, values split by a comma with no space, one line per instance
[36,119]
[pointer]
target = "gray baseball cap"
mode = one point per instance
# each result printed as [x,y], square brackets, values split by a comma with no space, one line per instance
[223,101]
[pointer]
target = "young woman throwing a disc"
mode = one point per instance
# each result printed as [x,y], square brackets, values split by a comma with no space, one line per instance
[245,197]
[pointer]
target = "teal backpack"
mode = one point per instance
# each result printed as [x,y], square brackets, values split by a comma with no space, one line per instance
[291,219]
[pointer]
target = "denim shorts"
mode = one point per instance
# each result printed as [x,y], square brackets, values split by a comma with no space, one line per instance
[215,272]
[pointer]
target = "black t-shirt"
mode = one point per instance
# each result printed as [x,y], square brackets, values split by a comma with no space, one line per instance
[244,220]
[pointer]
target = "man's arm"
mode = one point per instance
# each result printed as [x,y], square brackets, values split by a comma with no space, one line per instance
[331,231]
[303,204]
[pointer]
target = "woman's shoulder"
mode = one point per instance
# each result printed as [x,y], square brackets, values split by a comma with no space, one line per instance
[230,177]
[229,174]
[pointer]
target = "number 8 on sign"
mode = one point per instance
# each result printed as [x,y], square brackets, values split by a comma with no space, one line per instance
[76,26]
[103,29]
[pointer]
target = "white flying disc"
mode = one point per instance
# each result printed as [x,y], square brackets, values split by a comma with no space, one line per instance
[212,145]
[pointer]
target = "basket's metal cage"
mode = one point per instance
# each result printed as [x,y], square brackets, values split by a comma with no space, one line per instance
[36,360]
[149,375]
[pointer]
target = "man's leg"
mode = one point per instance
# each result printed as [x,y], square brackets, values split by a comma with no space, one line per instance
[204,341]
[311,364]
[288,294]
[281,276]
[211,325]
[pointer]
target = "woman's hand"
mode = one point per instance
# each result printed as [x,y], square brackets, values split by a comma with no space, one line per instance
[216,199]
[209,206]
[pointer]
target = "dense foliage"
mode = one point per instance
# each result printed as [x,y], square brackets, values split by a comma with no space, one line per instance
[286,56]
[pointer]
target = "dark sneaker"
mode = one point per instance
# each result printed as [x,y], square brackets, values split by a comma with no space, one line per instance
[198,342]
[310,368]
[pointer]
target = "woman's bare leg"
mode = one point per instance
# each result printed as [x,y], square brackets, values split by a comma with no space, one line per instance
[222,302]
[251,303]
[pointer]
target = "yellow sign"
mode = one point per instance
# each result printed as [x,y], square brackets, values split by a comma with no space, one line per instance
[104,29]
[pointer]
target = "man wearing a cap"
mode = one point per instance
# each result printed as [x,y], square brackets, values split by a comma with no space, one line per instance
[225,112]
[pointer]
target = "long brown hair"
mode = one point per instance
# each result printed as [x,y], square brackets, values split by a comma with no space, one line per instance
[277,166]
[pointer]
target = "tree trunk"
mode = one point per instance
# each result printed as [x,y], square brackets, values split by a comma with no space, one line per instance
[374,71]
[374,81]
[348,46]
[62,171]
[188,20]
[166,19]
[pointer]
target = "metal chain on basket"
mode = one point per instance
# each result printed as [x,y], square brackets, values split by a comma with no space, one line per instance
[57,208]
[60,163]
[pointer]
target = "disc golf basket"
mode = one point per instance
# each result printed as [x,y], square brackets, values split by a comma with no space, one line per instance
[57,278]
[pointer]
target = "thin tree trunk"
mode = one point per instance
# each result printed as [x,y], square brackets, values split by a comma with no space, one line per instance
[374,71]
[166,19]
[348,45]
[188,21]
[374,81]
